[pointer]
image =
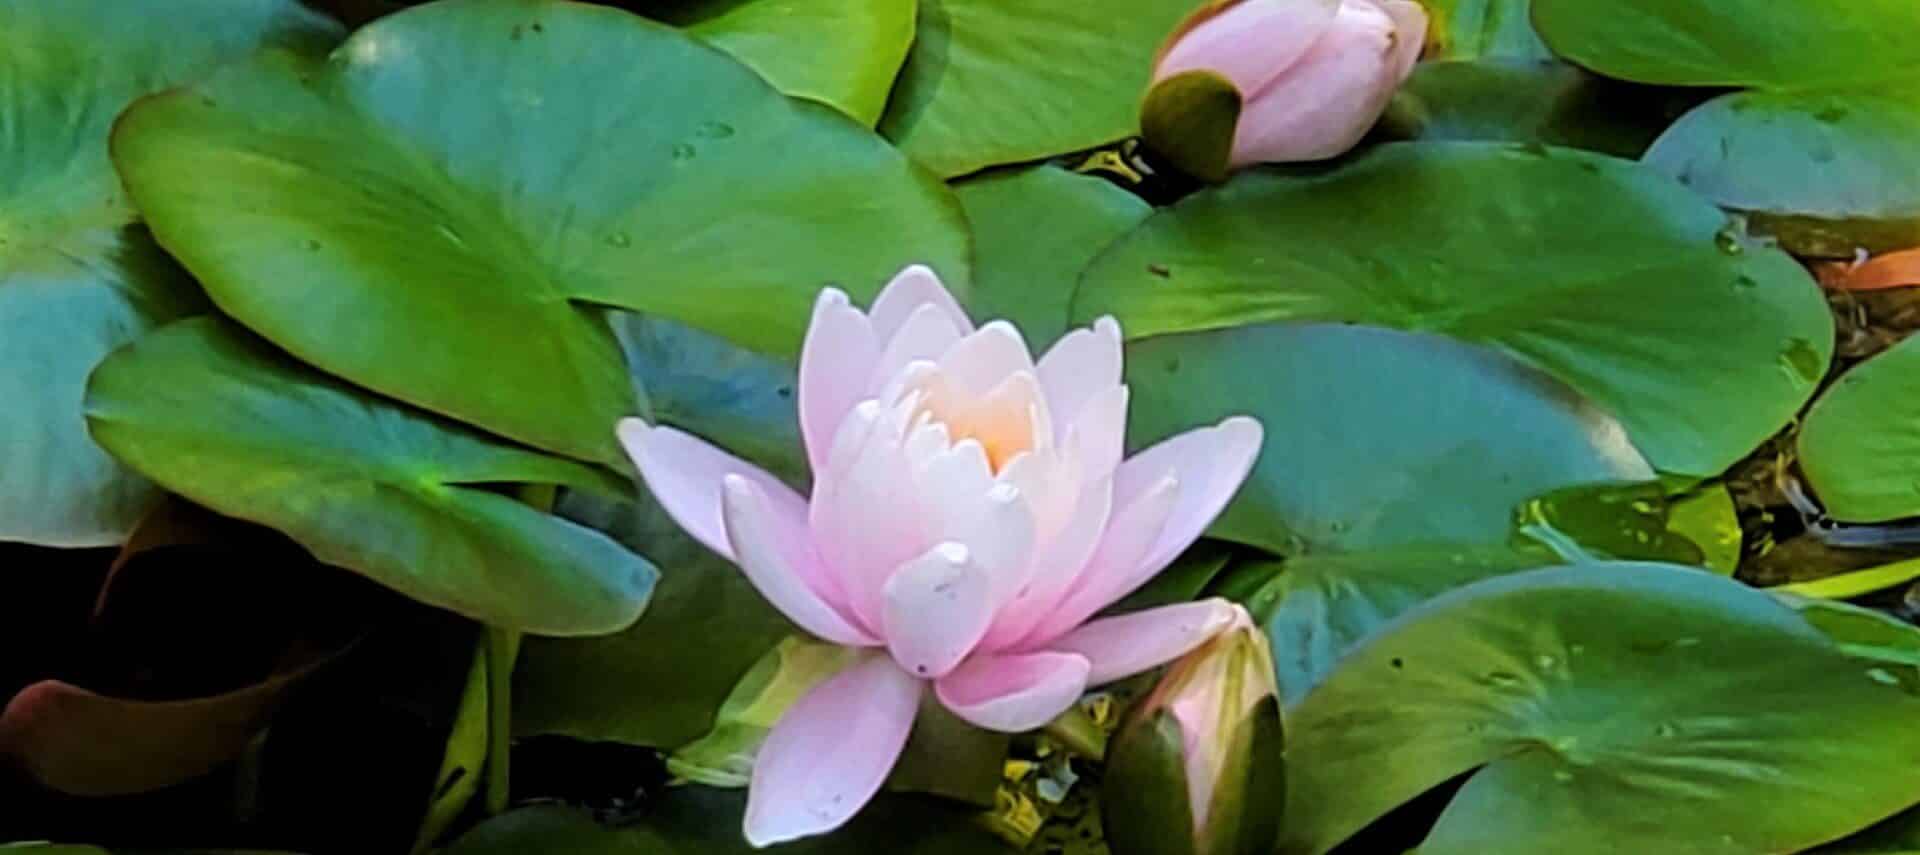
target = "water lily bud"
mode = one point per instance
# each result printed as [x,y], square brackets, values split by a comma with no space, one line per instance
[1196,769]
[1278,81]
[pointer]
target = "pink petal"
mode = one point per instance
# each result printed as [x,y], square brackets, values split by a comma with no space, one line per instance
[775,554]
[835,364]
[1118,566]
[1099,436]
[911,289]
[868,514]
[685,473]
[1120,647]
[1211,464]
[1250,43]
[1082,365]
[938,606]
[922,337]
[1055,567]
[829,754]
[1409,35]
[1014,693]
[1324,104]
[982,360]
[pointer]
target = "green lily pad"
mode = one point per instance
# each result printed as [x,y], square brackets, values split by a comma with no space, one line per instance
[659,682]
[1736,42]
[1524,101]
[991,82]
[1375,438]
[1317,608]
[844,53]
[78,276]
[705,385]
[1859,446]
[216,415]
[431,212]
[1605,708]
[704,821]
[1601,272]
[1472,29]
[1827,172]
[1034,230]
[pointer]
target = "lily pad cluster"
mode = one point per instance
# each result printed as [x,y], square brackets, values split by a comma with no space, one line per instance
[316,319]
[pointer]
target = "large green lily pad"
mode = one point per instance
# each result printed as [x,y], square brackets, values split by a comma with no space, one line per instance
[1605,708]
[845,53]
[991,82]
[1828,172]
[1860,445]
[1525,101]
[78,276]
[1375,438]
[428,212]
[1736,42]
[1034,230]
[1472,29]
[1601,272]
[214,414]
[659,682]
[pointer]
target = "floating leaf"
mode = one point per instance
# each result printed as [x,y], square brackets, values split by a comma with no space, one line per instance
[1829,173]
[1471,29]
[215,415]
[1858,446]
[1524,101]
[1615,279]
[432,212]
[78,276]
[845,53]
[1034,230]
[1375,438]
[991,82]
[1604,708]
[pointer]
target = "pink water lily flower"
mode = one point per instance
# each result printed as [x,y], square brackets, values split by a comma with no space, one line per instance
[970,513]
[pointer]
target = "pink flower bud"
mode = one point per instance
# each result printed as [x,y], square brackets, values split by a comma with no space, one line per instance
[1312,75]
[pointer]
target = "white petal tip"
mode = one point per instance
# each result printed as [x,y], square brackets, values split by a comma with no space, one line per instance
[1244,429]
[1108,326]
[955,554]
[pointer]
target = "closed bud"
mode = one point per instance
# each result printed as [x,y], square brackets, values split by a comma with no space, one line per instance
[1196,769]
[1278,81]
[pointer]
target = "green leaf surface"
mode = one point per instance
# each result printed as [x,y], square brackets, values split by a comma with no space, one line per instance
[1860,444]
[216,415]
[1524,101]
[1375,438]
[1034,230]
[707,386]
[1317,608]
[1600,709]
[1827,172]
[844,53]
[431,212]
[659,682]
[703,821]
[78,276]
[1603,273]
[465,758]
[991,82]
[1736,42]
[1472,29]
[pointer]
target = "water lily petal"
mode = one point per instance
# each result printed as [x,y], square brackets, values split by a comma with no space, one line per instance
[1249,43]
[1327,101]
[1055,567]
[1081,365]
[937,607]
[911,289]
[923,337]
[684,473]
[1098,437]
[1409,35]
[1119,565]
[1120,647]
[835,364]
[985,358]
[1014,692]
[776,555]
[827,757]
[1211,464]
